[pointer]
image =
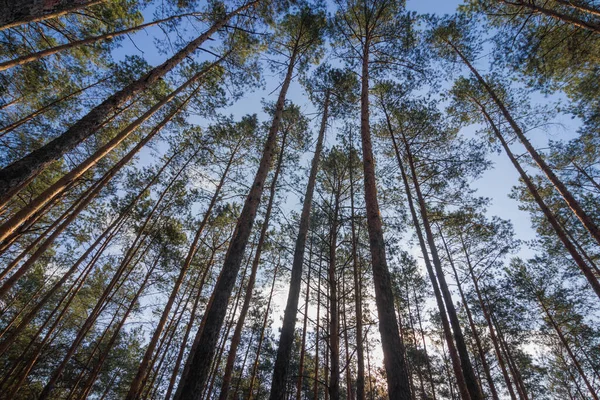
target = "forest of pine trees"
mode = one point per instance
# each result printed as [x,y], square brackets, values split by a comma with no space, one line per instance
[300,199]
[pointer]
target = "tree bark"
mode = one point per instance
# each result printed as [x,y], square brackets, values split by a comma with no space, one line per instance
[585,269]
[15,175]
[393,348]
[454,357]
[334,321]
[15,13]
[237,334]
[286,339]
[304,326]
[197,368]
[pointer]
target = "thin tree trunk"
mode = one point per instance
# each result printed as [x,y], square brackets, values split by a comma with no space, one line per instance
[579,6]
[91,40]
[188,328]
[304,326]
[569,199]
[393,348]
[349,389]
[318,325]
[429,371]
[22,171]
[465,362]
[484,363]
[237,334]
[493,336]
[26,11]
[569,19]
[142,372]
[334,323]
[286,339]
[585,269]
[117,330]
[454,357]
[59,186]
[262,335]
[360,356]
[509,359]
[567,347]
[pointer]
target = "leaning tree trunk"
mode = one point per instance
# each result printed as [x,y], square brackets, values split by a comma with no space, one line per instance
[585,219]
[286,339]
[567,347]
[585,269]
[15,13]
[62,184]
[237,334]
[16,175]
[393,348]
[461,346]
[142,373]
[197,367]
[454,357]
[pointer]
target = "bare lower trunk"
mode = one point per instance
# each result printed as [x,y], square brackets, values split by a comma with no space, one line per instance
[304,326]
[393,348]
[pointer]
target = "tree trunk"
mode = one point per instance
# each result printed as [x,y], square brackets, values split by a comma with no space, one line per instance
[15,13]
[393,348]
[76,43]
[567,347]
[60,185]
[142,373]
[360,356]
[493,336]
[465,362]
[585,269]
[484,363]
[237,334]
[188,328]
[197,368]
[304,326]
[318,325]
[569,199]
[22,171]
[429,371]
[334,320]
[286,339]
[458,372]
[262,336]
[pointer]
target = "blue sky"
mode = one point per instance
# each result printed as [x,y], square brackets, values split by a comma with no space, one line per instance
[496,183]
